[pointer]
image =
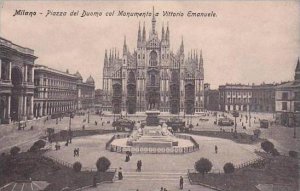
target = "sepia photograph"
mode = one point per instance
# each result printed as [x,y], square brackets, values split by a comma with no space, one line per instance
[149,95]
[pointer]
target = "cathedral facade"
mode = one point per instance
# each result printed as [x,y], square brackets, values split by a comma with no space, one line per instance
[153,77]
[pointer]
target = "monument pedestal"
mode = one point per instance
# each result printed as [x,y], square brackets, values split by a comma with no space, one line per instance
[152,118]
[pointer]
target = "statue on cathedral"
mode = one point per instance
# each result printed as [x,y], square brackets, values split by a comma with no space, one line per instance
[152,104]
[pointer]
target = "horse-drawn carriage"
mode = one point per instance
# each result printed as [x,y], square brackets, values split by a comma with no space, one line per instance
[123,124]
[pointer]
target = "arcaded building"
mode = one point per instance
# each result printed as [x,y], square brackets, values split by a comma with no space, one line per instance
[16,82]
[59,92]
[153,76]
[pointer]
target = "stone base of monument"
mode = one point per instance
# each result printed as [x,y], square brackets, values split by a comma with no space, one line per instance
[152,117]
[153,138]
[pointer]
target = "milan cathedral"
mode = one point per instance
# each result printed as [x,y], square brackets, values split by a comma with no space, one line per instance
[153,77]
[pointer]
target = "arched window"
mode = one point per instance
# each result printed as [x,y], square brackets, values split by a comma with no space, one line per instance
[152,79]
[153,58]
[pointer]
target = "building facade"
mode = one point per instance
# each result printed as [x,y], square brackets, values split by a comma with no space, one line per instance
[287,98]
[263,98]
[153,77]
[59,92]
[85,93]
[235,97]
[211,98]
[16,82]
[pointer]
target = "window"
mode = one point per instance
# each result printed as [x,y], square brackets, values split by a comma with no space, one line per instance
[297,106]
[285,96]
[297,96]
[284,106]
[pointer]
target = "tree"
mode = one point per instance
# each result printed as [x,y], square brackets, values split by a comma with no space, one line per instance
[77,166]
[228,168]
[203,165]
[102,164]
[37,145]
[274,152]
[267,146]
[14,150]
[293,154]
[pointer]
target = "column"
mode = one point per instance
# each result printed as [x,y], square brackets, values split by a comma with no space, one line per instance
[0,68]
[32,74]
[8,108]
[31,108]
[25,107]
[20,111]
[25,71]
[9,69]
[41,109]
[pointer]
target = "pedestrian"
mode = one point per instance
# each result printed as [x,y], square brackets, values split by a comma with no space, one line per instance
[120,174]
[75,151]
[181,183]
[161,189]
[140,165]
[127,158]
[216,149]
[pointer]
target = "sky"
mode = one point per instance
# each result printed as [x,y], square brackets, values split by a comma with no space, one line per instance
[247,42]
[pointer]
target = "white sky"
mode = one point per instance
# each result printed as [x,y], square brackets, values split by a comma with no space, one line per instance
[248,42]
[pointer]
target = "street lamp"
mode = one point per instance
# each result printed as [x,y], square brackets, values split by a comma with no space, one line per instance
[235,115]
[70,131]
[294,118]
[88,116]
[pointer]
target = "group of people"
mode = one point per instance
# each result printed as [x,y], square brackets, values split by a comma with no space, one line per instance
[76,152]
[128,155]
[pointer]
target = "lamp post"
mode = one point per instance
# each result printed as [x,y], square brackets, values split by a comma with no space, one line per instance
[294,118]
[70,131]
[88,116]
[235,115]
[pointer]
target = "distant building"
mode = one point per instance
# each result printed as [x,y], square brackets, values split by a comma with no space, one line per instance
[99,99]
[55,91]
[211,98]
[16,82]
[263,98]
[59,92]
[235,97]
[287,98]
[85,92]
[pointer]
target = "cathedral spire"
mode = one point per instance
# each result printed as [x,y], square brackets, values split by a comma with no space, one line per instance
[182,46]
[115,53]
[297,71]
[124,46]
[105,59]
[168,35]
[144,33]
[201,59]
[153,21]
[139,35]
[109,54]
[163,33]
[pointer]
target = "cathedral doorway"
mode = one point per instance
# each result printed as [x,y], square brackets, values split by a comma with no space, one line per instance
[117,98]
[131,93]
[174,93]
[190,99]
